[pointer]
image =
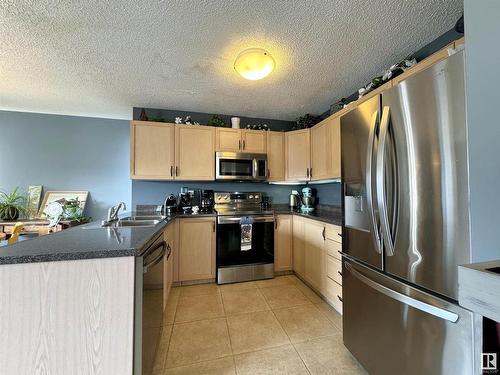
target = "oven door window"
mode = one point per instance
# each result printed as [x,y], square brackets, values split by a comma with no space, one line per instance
[231,167]
[229,249]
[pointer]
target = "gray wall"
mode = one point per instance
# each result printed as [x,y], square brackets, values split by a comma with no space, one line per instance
[482,33]
[66,153]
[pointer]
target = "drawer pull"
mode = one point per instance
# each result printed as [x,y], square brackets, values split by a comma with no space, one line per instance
[340,298]
[340,273]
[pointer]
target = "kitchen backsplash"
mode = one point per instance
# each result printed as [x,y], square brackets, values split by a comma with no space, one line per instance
[154,192]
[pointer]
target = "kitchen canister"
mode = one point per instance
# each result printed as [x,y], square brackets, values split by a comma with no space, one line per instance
[235,122]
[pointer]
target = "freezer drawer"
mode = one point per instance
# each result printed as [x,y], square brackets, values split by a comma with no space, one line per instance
[392,328]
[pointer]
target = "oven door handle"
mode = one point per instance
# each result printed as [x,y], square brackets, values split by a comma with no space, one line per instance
[150,263]
[237,219]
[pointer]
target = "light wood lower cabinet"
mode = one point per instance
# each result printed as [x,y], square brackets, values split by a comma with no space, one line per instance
[283,260]
[314,254]
[299,243]
[316,257]
[67,317]
[196,248]
[169,264]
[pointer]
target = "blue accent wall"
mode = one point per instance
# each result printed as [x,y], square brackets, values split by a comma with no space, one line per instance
[67,153]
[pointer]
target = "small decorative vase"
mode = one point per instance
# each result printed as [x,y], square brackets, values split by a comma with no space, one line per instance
[235,122]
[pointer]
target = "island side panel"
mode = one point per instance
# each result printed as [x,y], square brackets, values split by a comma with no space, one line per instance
[68,317]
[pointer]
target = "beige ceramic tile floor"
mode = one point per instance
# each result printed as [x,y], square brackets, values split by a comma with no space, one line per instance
[277,326]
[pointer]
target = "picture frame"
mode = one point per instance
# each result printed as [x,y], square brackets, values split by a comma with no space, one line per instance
[33,201]
[61,197]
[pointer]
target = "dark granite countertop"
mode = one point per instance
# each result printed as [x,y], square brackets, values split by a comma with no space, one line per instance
[324,213]
[86,242]
[93,241]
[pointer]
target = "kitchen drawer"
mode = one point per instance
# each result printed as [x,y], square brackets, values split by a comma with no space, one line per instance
[333,232]
[334,269]
[333,248]
[334,294]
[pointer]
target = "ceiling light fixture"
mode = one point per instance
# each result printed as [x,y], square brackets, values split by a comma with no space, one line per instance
[254,64]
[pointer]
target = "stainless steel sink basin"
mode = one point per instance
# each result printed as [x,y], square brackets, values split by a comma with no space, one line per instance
[143,217]
[133,223]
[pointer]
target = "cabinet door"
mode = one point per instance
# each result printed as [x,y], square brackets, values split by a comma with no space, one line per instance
[297,151]
[151,150]
[314,254]
[276,156]
[325,149]
[228,139]
[254,141]
[169,238]
[283,243]
[194,153]
[298,245]
[196,249]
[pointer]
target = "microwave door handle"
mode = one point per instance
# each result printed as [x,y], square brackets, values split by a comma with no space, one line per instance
[255,168]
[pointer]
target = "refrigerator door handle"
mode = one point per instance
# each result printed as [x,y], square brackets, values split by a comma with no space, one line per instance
[369,188]
[422,306]
[381,200]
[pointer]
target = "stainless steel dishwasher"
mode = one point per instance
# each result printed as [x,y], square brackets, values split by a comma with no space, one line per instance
[148,314]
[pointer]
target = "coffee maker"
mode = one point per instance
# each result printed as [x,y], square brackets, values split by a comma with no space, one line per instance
[207,201]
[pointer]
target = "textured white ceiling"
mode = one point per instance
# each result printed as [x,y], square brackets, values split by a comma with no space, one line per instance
[101,58]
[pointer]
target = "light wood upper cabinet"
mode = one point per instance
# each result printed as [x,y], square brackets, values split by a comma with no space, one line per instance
[152,150]
[196,248]
[241,140]
[299,243]
[276,156]
[254,141]
[325,149]
[314,254]
[283,260]
[297,155]
[194,152]
[228,139]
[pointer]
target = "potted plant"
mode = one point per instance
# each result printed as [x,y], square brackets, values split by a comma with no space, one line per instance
[72,211]
[216,121]
[12,204]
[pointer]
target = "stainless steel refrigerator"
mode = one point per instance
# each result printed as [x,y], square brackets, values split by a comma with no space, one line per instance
[406,226]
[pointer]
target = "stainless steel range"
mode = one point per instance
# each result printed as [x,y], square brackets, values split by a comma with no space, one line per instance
[245,238]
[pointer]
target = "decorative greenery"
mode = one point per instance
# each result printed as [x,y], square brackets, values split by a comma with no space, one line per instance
[306,121]
[12,204]
[157,119]
[217,121]
[73,211]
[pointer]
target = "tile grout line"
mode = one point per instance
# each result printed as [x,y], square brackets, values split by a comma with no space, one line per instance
[228,333]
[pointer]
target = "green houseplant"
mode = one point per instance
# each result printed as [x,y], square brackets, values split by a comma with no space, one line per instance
[12,204]
[217,121]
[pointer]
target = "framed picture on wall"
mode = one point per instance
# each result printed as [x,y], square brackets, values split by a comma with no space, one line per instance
[62,197]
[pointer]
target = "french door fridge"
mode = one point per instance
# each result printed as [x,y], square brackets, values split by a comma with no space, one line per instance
[406,226]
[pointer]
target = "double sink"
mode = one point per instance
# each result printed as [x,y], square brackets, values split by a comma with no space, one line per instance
[134,221]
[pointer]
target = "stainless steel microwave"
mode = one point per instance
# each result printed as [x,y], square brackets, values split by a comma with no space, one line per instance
[240,166]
